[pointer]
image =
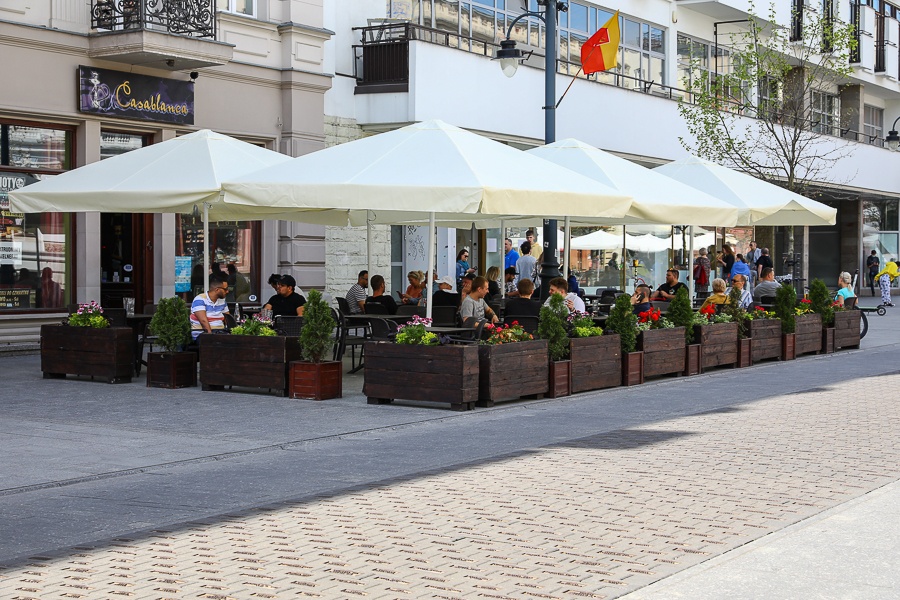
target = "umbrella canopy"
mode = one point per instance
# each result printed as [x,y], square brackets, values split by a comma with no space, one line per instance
[758,202]
[169,177]
[656,198]
[598,240]
[425,168]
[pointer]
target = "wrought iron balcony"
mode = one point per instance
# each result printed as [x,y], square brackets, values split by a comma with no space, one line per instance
[194,18]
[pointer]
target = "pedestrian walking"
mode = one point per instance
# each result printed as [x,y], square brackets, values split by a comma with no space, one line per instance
[873,264]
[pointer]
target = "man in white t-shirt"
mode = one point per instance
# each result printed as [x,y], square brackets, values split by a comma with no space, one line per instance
[559,285]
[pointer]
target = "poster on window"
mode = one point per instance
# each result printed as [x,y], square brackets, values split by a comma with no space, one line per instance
[183,273]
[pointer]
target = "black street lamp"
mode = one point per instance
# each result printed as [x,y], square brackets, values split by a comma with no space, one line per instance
[892,140]
[510,57]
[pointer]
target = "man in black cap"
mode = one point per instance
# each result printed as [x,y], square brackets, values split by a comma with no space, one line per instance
[510,283]
[287,302]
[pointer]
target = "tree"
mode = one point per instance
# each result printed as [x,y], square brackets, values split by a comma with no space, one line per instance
[772,114]
[552,328]
[317,333]
[623,321]
[682,314]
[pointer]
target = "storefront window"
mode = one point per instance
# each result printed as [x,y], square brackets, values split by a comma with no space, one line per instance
[35,248]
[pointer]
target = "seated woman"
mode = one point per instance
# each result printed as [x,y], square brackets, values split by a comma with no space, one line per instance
[845,288]
[493,278]
[416,286]
[718,295]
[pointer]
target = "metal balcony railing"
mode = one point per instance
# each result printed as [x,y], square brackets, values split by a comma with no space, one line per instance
[194,18]
[879,43]
[855,12]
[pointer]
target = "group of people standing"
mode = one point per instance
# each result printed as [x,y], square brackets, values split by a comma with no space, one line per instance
[750,266]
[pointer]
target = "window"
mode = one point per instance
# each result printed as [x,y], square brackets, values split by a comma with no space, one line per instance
[825,111]
[35,248]
[700,62]
[873,125]
[241,7]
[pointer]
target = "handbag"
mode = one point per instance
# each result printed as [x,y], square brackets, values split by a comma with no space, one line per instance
[700,276]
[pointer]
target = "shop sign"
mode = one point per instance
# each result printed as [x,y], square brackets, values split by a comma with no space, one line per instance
[11,253]
[10,182]
[131,96]
[17,298]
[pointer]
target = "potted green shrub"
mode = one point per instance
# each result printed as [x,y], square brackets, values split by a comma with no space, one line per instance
[596,359]
[822,303]
[315,377]
[86,345]
[785,307]
[552,327]
[681,314]
[171,326]
[623,322]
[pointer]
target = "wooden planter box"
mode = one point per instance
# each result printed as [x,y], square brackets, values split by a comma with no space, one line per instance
[827,340]
[511,371]
[560,379]
[846,329]
[692,359]
[632,368]
[315,381]
[788,346]
[809,334]
[446,374]
[663,350]
[246,361]
[103,353]
[767,339]
[171,370]
[718,344]
[745,353]
[596,362]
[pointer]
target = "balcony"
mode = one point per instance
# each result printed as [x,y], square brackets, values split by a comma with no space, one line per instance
[164,34]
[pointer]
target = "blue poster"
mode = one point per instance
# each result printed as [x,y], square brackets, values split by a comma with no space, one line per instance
[183,273]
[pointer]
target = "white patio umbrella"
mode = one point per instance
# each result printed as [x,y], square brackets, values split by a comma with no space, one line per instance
[656,199]
[598,240]
[427,170]
[758,202]
[174,176]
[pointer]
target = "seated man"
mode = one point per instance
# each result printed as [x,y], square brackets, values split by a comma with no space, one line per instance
[356,297]
[740,268]
[739,281]
[510,277]
[208,309]
[767,285]
[640,299]
[378,296]
[287,302]
[523,305]
[558,285]
[473,308]
[445,295]
[667,291]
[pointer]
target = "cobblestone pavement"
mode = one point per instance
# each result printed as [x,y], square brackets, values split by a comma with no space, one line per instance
[595,517]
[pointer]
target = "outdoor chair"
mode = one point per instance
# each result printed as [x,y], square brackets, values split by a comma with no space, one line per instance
[376,308]
[850,302]
[408,310]
[381,329]
[528,322]
[662,306]
[469,337]
[115,316]
[343,305]
[443,316]
[146,337]
[767,301]
[288,325]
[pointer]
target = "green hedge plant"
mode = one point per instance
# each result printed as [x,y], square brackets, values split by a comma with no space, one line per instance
[552,327]
[821,301]
[171,323]
[623,321]
[681,314]
[317,333]
[785,303]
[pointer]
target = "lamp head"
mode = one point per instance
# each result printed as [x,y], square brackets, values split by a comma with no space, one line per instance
[509,57]
[892,140]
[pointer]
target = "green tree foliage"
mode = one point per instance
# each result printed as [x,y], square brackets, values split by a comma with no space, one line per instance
[734,310]
[682,314]
[171,323]
[552,327]
[820,300]
[785,307]
[317,333]
[623,321]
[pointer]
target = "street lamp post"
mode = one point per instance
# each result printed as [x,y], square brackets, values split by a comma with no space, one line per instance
[892,140]
[509,57]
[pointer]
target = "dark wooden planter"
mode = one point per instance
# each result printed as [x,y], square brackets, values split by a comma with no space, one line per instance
[846,329]
[827,340]
[315,381]
[511,371]
[663,350]
[718,344]
[106,353]
[171,370]
[560,379]
[767,339]
[809,334]
[596,362]
[692,359]
[246,361]
[632,368]
[445,374]
[745,353]
[788,346]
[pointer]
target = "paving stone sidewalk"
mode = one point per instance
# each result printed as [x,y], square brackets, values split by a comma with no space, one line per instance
[595,517]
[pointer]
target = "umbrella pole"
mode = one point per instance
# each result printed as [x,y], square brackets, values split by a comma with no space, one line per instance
[567,248]
[369,243]
[205,243]
[503,259]
[690,265]
[430,278]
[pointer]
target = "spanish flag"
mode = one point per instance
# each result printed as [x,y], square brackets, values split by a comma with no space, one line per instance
[600,51]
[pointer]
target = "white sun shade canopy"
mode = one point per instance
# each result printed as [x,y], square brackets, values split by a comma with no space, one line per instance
[758,202]
[427,167]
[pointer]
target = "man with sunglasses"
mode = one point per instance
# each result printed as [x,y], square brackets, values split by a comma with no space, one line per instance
[287,302]
[208,309]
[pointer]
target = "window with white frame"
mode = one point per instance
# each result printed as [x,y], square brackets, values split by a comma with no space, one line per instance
[825,113]
[698,60]
[241,7]
[873,125]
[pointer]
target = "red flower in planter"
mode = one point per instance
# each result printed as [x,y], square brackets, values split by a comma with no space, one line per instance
[709,311]
[761,309]
[806,301]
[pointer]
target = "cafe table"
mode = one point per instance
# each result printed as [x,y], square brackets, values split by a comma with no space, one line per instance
[138,323]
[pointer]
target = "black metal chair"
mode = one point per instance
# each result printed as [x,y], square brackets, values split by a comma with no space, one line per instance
[850,302]
[288,325]
[472,337]
[408,310]
[381,329]
[443,316]
[343,305]
[529,323]
[376,308]
[146,337]
[115,316]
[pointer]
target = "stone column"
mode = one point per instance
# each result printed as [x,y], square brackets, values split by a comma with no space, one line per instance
[87,225]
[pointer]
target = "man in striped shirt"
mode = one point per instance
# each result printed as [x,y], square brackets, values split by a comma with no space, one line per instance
[356,297]
[208,309]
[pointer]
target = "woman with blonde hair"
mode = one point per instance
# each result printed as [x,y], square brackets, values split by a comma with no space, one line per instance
[718,295]
[845,289]
[493,278]
[413,293]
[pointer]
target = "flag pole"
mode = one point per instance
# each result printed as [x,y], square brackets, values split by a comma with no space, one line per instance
[570,84]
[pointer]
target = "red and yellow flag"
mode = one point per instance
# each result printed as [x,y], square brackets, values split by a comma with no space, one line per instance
[599,53]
